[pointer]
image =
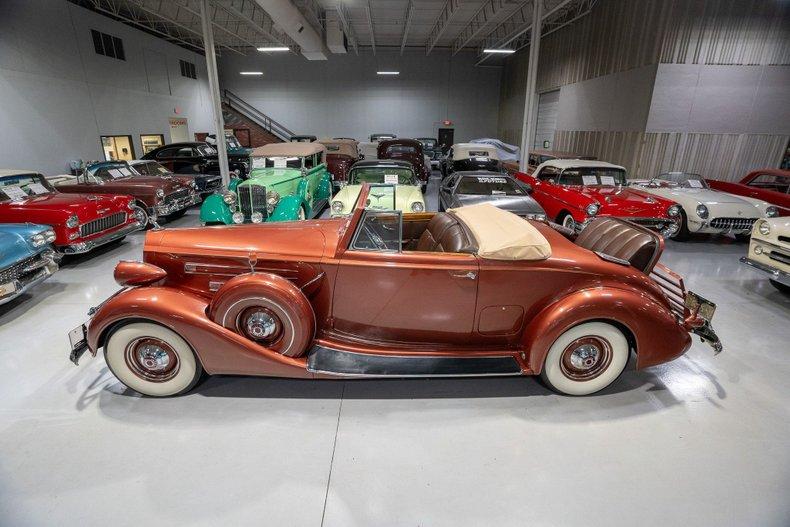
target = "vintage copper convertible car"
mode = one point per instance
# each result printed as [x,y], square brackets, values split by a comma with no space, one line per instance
[472,291]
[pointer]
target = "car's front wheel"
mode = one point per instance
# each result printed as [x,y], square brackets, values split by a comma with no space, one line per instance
[585,359]
[567,221]
[683,233]
[152,359]
[780,286]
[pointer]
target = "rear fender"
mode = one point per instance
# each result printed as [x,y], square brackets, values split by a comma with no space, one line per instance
[654,332]
[215,210]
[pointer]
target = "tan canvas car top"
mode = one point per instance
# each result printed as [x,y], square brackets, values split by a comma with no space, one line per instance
[344,147]
[502,235]
[288,150]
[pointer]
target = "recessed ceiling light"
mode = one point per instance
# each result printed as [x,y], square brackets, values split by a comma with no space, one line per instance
[387,73]
[251,72]
[504,51]
[274,48]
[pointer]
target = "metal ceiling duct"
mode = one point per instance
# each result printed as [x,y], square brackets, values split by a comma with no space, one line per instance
[295,25]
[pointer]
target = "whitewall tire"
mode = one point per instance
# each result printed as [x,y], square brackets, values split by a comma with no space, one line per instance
[152,359]
[585,359]
[568,222]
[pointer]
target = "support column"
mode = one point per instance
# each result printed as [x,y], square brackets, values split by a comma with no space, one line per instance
[213,83]
[530,97]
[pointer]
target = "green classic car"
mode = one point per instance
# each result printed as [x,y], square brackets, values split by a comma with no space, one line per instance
[288,181]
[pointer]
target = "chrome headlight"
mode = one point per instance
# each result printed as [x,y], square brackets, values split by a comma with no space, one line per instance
[192,184]
[592,209]
[337,207]
[49,235]
[702,211]
[73,221]
[38,239]
[238,217]
[130,204]
[229,198]
[771,211]
[673,211]
[764,228]
[256,217]
[417,207]
[272,199]
[160,193]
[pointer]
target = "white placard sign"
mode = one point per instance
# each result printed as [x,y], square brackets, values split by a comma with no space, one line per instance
[14,192]
[258,162]
[280,162]
[114,172]
[695,183]
[37,188]
[590,180]
[607,180]
[391,179]
[125,171]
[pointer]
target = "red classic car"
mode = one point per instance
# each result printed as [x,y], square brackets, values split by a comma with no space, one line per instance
[574,191]
[340,155]
[407,150]
[472,291]
[81,221]
[768,184]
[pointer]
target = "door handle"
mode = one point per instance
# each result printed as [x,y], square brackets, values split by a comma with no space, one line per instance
[469,275]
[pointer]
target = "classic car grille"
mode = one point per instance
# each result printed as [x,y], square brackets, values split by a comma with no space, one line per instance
[673,288]
[177,195]
[732,223]
[252,198]
[20,269]
[779,256]
[785,239]
[102,224]
[209,184]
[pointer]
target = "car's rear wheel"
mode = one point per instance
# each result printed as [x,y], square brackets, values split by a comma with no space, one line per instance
[152,359]
[780,286]
[683,233]
[585,359]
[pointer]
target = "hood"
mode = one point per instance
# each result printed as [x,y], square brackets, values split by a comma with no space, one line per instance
[15,244]
[702,195]
[56,207]
[719,204]
[626,201]
[405,195]
[519,205]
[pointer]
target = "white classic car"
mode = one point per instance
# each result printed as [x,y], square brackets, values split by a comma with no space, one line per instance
[704,210]
[769,251]
[395,187]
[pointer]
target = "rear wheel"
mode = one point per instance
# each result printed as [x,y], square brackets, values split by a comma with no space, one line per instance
[585,359]
[780,286]
[683,233]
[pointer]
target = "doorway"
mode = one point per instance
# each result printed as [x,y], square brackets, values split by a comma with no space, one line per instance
[117,147]
[546,123]
[446,138]
[151,142]
[179,130]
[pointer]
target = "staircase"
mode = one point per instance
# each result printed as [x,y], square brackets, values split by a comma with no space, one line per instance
[238,113]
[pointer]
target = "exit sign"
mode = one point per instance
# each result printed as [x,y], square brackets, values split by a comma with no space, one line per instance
[447,122]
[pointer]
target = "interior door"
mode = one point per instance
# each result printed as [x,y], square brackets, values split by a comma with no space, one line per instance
[446,138]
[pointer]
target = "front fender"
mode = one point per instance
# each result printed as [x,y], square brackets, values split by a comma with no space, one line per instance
[324,190]
[220,350]
[288,209]
[657,336]
[215,210]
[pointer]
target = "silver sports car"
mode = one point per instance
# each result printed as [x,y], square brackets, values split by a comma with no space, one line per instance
[501,190]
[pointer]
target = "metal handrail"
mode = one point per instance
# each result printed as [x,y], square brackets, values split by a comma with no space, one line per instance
[257,116]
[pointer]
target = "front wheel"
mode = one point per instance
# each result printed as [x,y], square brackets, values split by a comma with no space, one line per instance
[567,221]
[141,215]
[585,359]
[780,286]
[152,359]
[683,233]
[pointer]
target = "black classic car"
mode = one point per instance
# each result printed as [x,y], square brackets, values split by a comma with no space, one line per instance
[205,184]
[498,189]
[470,156]
[303,139]
[196,158]
[432,149]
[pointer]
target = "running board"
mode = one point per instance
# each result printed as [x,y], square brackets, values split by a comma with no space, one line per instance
[346,363]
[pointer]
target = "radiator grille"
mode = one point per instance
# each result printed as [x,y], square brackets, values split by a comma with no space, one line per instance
[20,269]
[102,224]
[672,285]
[732,223]
[252,198]
[177,195]
[780,257]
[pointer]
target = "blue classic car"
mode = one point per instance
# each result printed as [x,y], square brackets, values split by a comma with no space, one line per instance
[26,257]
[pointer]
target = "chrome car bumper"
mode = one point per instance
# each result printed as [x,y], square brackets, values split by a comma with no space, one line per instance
[775,274]
[44,266]
[166,209]
[666,227]
[83,247]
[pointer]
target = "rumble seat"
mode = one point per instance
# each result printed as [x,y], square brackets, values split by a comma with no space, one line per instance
[622,240]
[445,233]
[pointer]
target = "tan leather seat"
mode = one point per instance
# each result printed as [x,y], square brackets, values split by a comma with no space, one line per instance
[623,240]
[445,233]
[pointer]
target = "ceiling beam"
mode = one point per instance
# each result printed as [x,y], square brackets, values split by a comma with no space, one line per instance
[370,27]
[441,24]
[259,21]
[213,16]
[406,24]
[486,13]
[342,15]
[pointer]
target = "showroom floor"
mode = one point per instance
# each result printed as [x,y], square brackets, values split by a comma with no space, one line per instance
[700,441]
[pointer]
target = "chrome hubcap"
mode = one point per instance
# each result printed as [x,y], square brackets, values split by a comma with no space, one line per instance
[584,357]
[153,358]
[261,325]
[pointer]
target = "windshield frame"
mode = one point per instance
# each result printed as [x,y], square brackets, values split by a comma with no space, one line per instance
[353,181]
[515,185]
[681,183]
[563,172]
[4,198]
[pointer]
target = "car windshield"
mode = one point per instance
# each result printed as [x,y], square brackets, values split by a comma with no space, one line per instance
[684,180]
[206,150]
[151,169]
[390,175]
[277,162]
[777,183]
[428,143]
[593,176]
[19,187]
[401,149]
[109,172]
[232,141]
[489,186]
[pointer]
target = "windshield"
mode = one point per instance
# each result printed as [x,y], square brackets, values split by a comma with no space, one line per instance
[232,141]
[389,175]
[277,162]
[428,143]
[151,169]
[14,188]
[206,150]
[113,171]
[777,183]
[489,186]
[401,149]
[684,180]
[593,176]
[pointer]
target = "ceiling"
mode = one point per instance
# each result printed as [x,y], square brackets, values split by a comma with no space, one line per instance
[369,25]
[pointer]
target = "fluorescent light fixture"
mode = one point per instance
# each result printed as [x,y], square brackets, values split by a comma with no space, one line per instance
[387,73]
[503,51]
[274,48]
[251,72]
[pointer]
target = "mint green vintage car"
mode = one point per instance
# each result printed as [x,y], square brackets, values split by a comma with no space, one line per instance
[288,181]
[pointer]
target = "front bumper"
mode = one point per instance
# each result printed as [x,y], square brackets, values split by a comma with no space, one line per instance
[775,274]
[666,227]
[29,276]
[166,209]
[83,247]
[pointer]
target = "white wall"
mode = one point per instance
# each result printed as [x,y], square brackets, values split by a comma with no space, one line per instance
[343,96]
[57,96]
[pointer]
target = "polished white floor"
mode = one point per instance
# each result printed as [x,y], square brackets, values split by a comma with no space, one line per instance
[701,441]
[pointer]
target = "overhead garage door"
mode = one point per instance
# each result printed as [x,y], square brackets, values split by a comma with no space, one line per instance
[547,119]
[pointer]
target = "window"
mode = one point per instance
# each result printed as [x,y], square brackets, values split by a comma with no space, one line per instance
[184,152]
[533,160]
[117,147]
[390,175]
[489,186]
[166,153]
[772,182]
[548,173]
[19,187]
[151,142]
[152,168]
[187,69]
[378,231]
[108,45]
[594,176]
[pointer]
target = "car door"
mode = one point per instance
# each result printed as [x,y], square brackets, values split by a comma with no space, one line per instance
[545,190]
[383,293]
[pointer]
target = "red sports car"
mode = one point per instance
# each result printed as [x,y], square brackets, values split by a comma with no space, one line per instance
[768,184]
[574,191]
[81,221]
